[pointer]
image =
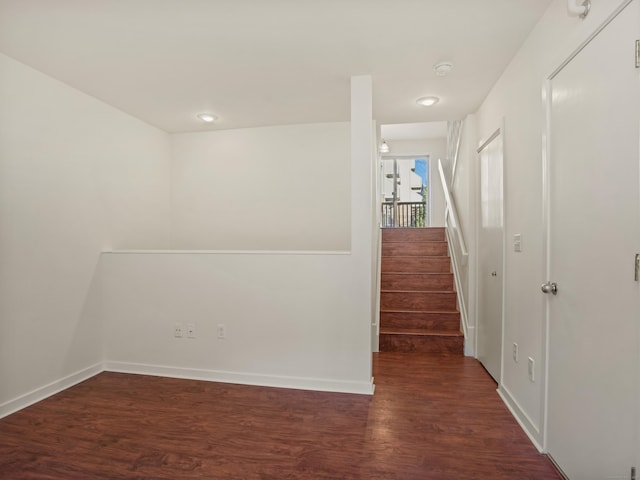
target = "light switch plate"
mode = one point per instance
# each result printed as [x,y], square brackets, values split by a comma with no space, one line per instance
[517,242]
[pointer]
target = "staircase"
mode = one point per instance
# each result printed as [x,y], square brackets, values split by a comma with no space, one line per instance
[418,303]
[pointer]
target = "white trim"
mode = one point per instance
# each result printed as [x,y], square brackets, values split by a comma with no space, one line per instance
[498,133]
[375,326]
[546,251]
[491,138]
[429,194]
[300,383]
[468,330]
[505,204]
[469,346]
[476,240]
[525,422]
[228,252]
[40,393]
[457,155]
[637,459]
[555,464]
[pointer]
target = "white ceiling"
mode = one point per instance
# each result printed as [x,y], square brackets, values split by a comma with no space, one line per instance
[414,131]
[269,62]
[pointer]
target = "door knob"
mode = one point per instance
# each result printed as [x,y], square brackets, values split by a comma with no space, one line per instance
[494,274]
[549,287]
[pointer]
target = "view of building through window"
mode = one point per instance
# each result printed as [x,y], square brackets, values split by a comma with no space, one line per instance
[405,195]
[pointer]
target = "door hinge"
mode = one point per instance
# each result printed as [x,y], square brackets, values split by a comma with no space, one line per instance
[636,268]
[637,53]
[633,473]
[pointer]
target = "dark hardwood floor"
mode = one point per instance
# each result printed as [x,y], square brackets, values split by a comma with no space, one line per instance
[430,418]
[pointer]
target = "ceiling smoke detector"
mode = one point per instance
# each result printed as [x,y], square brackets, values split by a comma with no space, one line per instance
[443,68]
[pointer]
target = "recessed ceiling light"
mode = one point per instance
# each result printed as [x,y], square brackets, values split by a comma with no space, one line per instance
[207,117]
[442,68]
[427,101]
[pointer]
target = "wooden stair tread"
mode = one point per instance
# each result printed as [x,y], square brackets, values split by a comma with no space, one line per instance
[415,241]
[415,256]
[418,273]
[414,234]
[419,332]
[422,242]
[425,312]
[415,264]
[427,282]
[448,292]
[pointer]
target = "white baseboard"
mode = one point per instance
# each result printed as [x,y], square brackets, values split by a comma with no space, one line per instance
[525,422]
[468,330]
[52,388]
[469,351]
[317,384]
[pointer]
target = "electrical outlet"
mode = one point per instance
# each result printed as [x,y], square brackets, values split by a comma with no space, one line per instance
[191,330]
[515,352]
[178,331]
[531,368]
[222,331]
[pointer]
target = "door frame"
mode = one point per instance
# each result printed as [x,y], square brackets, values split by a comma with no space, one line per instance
[498,132]
[390,156]
[546,210]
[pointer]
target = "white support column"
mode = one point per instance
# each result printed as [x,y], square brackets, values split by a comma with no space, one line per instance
[362,164]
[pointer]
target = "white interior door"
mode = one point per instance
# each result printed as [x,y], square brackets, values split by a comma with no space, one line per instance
[490,256]
[594,226]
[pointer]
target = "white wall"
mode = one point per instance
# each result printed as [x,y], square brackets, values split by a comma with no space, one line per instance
[271,188]
[436,148]
[292,319]
[76,176]
[464,191]
[517,97]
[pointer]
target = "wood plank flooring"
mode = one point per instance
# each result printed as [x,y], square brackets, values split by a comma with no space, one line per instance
[431,417]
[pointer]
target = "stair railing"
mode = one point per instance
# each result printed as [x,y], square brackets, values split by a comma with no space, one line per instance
[452,215]
[404,214]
